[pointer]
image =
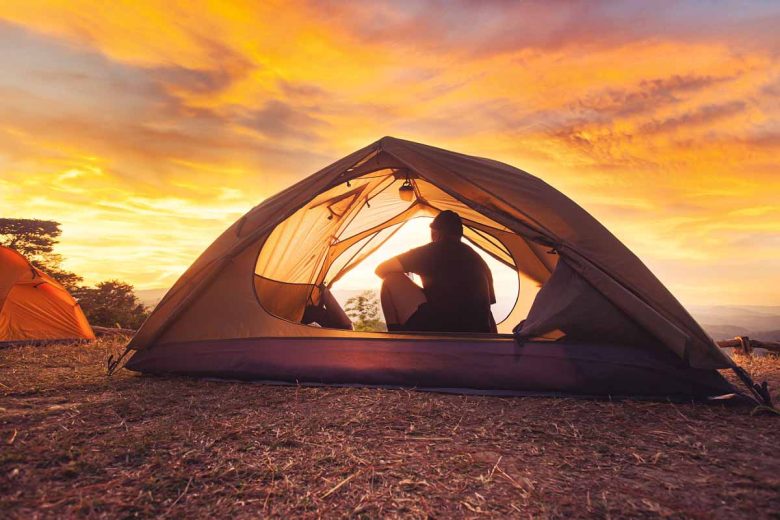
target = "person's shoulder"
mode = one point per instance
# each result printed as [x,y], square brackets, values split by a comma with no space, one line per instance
[415,254]
[428,248]
[425,248]
[474,255]
[468,249]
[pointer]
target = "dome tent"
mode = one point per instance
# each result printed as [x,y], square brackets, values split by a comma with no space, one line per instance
[235,312]
[33,306]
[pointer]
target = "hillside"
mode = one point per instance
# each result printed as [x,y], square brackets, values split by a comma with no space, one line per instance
[728,321]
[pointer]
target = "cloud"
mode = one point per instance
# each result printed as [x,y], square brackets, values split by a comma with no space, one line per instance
[192,80]
[148,130]
[771,88]
[646,97]
[491,28]
[701,116]
[225,67]
[277,119]
[302,90]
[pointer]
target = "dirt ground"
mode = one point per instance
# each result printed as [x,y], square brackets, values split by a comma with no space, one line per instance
[74,442]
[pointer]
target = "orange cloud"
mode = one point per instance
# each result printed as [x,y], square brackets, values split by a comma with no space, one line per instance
[147,127]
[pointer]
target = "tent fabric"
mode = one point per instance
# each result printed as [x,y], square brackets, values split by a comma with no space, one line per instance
[567,305]
[314,231]
[33,306]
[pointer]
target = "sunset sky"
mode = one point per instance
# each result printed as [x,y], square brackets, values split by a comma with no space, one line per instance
[146,127]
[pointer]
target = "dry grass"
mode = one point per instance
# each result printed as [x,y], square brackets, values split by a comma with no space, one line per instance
[74,442]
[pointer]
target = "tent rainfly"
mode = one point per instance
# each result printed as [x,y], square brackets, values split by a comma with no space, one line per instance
[33,306]
[601,325]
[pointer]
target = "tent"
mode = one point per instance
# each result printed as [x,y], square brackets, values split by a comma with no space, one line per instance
[601,324]
[33,306]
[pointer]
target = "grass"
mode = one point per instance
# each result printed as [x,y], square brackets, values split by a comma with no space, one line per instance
[74,442]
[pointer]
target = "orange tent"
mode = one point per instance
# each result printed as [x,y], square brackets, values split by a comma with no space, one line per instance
[33,306]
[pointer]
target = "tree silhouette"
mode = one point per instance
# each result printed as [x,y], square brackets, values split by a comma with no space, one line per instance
[363,310]
[35,240]
[108,304]
[111,304]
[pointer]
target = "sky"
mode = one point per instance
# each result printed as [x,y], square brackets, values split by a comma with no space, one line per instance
[147,127]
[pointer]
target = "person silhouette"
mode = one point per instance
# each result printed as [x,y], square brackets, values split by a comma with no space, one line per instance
[457,289]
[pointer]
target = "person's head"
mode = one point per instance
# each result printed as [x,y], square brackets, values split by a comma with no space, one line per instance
[446,226]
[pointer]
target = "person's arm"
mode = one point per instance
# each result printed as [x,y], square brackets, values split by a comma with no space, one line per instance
[413,261]
[490,284]
[389,267]
[489,279]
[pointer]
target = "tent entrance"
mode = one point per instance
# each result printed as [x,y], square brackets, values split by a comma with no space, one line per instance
[341,227]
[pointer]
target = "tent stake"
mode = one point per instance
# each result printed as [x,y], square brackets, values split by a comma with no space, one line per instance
[760,391]
[112,365]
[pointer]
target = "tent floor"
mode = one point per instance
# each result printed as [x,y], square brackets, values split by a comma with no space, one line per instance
[496,366]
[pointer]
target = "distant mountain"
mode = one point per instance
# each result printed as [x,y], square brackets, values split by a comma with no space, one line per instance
[150,297]
[719,332]
[727,321]
[768,335]
[751,317]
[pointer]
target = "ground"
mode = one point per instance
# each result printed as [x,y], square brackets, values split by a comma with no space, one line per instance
[74,442]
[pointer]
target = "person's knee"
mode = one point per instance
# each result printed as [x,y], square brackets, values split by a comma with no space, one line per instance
[385,287]
[394,281]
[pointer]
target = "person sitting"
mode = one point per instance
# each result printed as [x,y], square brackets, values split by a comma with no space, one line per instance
[457,284]
[327,313]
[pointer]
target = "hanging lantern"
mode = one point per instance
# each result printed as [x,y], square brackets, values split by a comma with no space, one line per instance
[406,191]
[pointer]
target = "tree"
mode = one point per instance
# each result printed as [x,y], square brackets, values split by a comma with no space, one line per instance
[35,240]
[111,304]
[363,309]
[108,304]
